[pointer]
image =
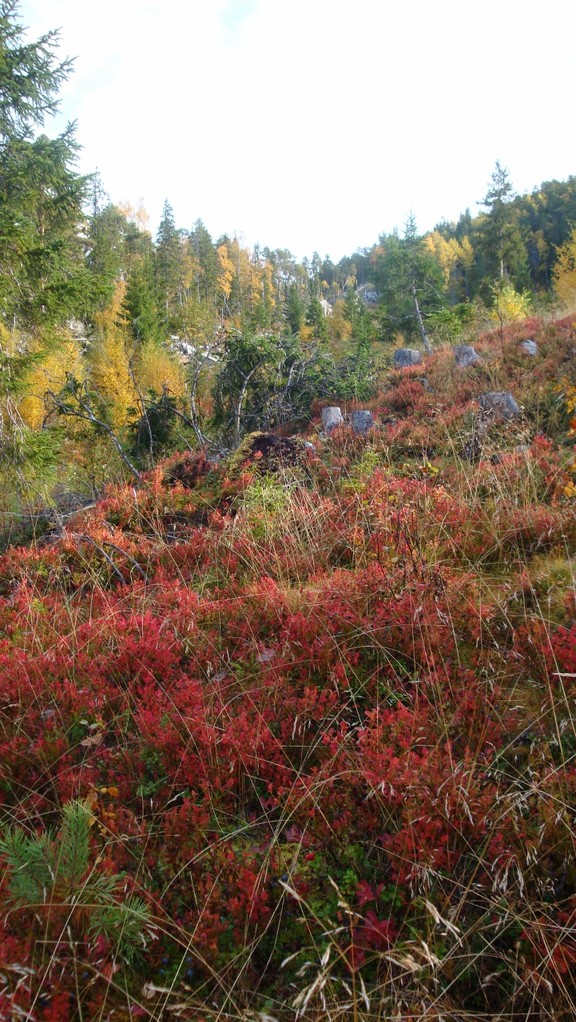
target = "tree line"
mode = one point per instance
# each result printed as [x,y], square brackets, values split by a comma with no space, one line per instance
[140,337]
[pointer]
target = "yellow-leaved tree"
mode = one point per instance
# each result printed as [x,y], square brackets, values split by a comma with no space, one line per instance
[156,370]
[508,304]
[564,272]
[57,356]
[109,361]
[225,274]
[339,328]
[453,257]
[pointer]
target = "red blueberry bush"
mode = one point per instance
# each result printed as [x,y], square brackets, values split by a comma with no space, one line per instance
[323,722]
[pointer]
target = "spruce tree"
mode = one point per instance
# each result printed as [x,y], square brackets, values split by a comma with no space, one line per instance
[295,311]
[206,259]
[43,277]
[409,282]
[140,307]
[501,248]
[30,77]
[42,272]
[106,255]
[170,266]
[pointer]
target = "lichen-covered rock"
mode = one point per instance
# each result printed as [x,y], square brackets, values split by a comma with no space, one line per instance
[361,420]
[529,347]
[407,357]
[465,355]
[499,404]
[331,417]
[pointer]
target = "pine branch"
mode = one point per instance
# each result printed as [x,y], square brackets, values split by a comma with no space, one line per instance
[74,849]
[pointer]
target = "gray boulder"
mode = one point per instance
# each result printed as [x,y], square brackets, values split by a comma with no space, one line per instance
[331,417]
[529,348]
[499,404]
[361,420]
[407,357]
[465,355]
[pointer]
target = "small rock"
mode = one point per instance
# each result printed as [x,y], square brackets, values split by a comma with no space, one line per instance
[499,404]
[407,357]
[465,355]
[529,347]
[361,420]
[331,417]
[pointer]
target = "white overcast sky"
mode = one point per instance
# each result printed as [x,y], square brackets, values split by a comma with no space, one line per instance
[315,125]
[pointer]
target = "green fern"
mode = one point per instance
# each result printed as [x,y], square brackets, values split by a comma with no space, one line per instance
[55,871]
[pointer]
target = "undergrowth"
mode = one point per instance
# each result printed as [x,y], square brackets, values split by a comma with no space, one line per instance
[298,742]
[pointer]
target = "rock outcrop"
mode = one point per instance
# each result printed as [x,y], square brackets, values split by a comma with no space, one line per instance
[529,348]
[361,421]
[465,355]
[331,417]
[499,404]
[407,357]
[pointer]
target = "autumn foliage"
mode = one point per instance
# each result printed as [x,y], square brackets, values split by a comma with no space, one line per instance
[322,717]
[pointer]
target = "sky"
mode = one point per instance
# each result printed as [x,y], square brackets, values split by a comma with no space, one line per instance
[315,125]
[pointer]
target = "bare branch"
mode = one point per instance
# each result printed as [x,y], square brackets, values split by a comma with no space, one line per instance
[83,410]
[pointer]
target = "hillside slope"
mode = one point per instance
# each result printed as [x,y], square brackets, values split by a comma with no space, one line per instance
[317,707]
